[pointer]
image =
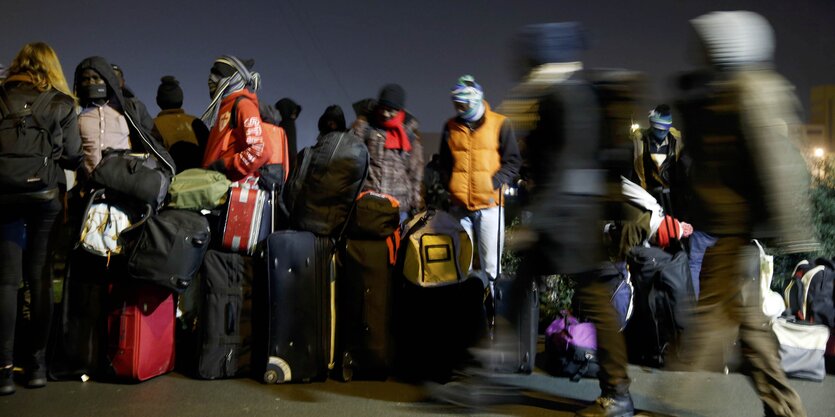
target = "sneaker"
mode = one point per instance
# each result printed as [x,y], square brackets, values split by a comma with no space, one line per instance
[609,406]
[6,381]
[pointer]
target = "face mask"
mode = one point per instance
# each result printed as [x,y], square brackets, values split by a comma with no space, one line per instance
[93,92]
[659,134]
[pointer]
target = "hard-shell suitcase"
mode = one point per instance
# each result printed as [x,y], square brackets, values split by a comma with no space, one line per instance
[224,323]
[364,308]
[248,217]
[141,327]
[524,323]
[295,286]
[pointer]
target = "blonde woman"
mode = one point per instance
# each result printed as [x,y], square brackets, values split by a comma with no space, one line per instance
[38,137]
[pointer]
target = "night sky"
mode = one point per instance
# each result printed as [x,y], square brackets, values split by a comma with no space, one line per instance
[322,52]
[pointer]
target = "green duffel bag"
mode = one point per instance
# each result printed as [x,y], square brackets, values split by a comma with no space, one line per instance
[198,189]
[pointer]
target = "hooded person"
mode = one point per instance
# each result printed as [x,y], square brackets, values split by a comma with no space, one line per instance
[395,150]
[332,120]
[749,181]
[657,151]
[289,111]
[108,119]
[235,147]
[182,134]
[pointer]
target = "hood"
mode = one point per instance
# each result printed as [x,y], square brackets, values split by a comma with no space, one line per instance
[105,70]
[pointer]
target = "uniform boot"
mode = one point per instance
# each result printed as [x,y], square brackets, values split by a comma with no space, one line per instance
[609,406]
[6,381]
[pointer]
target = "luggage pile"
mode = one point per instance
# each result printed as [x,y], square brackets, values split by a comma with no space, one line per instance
[806,329]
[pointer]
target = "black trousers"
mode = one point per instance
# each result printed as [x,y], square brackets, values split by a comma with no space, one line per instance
[25,231]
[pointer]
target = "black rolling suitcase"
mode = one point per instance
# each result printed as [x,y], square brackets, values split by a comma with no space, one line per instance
[364,288]
[224,323]
[294,285]
[520,355]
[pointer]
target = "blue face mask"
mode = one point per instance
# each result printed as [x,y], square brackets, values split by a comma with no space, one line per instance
[659,134]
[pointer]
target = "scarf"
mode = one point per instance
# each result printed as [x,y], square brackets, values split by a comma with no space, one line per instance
[396,137]
[239,80]
[468,92]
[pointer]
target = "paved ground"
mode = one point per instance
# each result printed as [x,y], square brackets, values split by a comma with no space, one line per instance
[710,395]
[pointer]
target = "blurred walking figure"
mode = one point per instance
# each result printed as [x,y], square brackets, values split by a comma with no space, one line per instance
[749,181]
[38,122]
[478,156]
[560,109]
[182,134]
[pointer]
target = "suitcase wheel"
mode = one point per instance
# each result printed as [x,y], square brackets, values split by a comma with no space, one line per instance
[270,376]
[347,367]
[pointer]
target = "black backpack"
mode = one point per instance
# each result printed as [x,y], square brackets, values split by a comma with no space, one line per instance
[820,306]
[663,303]
[26,147]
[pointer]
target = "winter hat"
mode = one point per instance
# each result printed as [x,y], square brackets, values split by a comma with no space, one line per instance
[669,229]
[551,42]
[735,38]
[661,119]
[169,93]
[468,92]
[332,114]
[392,95]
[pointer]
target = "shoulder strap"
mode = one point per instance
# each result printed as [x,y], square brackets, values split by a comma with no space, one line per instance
[233,118]
[43,99]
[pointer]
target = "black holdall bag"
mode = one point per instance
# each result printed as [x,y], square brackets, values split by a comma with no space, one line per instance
[377,216]
[136,175]
[26,148]
[664,300]
[168,249]
[321,193]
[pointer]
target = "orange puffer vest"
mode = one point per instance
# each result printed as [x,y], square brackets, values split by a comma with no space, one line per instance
[476,158]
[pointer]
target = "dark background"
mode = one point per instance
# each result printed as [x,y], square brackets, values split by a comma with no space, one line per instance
[322,52]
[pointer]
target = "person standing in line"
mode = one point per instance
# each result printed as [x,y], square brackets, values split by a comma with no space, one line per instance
[234,148]
[182,134]
[395,150]
[30,205]
[478,156]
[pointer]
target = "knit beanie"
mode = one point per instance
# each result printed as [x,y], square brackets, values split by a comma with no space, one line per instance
[551,42]
[392,95]
[736,38]
[661,118]
[669,229]
[169,93]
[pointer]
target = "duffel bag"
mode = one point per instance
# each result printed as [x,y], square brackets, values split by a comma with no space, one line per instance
[571,348]
[169,249]
[376,215]
[802,347]
[198,189]
[136,175]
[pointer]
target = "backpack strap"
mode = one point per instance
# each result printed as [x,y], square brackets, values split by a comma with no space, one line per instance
[4,104]
[233,118]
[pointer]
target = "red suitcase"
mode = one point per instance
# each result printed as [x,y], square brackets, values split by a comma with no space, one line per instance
[141,328]
[245,217]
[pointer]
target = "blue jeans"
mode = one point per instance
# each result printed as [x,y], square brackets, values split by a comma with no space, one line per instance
[486,230]
[699,242]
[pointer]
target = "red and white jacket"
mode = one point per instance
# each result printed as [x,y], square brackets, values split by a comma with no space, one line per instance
[242,149]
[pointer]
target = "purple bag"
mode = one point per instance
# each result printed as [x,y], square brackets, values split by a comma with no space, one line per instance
[571,347]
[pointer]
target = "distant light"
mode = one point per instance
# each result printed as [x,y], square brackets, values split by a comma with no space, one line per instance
[819,152]
[635,126]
